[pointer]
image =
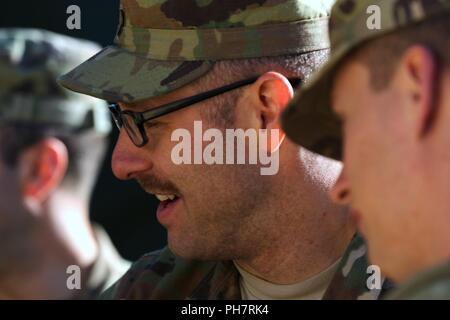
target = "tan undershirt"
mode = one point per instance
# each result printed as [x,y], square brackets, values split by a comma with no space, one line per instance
[254,288]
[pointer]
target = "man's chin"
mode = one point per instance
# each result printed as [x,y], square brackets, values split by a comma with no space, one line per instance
[180,248]
[185,250]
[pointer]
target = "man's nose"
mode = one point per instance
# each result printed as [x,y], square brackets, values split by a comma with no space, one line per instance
[340,192]
[127,159]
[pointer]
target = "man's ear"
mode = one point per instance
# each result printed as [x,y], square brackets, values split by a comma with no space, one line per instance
[42,168]
[272,94]
[420,72]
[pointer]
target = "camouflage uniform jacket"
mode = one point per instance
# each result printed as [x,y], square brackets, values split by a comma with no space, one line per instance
[107,269]
[162,275]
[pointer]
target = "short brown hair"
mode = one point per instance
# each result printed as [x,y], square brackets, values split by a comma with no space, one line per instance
[221,110]
[382,55]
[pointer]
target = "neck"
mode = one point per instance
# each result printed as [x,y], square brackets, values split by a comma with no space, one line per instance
[62,237]
[309,234]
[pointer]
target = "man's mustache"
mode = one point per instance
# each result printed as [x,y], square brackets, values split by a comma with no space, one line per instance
[156,185]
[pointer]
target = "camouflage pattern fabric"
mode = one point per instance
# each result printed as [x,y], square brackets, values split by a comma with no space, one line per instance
[162,45]
[162,275]
[30,61]
[309,120]
[350,281]
[107,269]
[433,284]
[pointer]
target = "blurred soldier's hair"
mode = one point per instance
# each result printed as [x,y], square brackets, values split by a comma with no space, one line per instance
[33,107]
[382,55]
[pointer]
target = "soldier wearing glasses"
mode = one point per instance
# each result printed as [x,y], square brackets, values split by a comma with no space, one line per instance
[232,233]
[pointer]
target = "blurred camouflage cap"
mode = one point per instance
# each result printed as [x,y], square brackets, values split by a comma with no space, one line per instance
[30,62]
[309,119]
[162,45]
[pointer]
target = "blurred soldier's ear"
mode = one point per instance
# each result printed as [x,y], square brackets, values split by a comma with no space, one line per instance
[419,72]
[42,168]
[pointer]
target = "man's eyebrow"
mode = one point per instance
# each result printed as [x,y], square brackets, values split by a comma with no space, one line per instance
[153,122]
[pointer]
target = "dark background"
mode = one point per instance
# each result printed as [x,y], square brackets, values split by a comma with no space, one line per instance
[126,212]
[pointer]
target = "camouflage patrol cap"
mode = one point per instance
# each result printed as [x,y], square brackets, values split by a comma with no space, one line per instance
[309,119]
[162,45]
[30,61]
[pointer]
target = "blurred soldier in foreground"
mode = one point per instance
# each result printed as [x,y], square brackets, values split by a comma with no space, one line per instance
[52,143]
[232,232]
[389,87]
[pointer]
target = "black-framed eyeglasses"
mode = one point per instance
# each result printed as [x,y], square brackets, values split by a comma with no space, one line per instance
[133,122]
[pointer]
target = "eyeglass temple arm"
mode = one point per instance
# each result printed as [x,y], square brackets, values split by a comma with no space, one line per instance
[167,108]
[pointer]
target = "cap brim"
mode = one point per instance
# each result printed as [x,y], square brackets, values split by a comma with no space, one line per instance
[309,119]
[118,75]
